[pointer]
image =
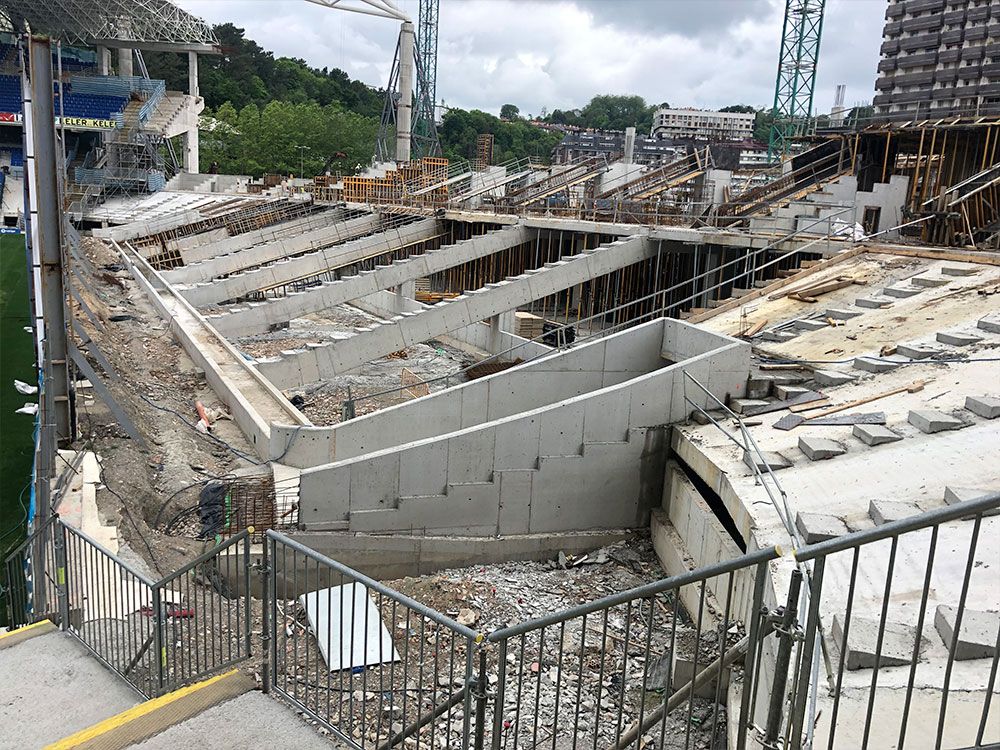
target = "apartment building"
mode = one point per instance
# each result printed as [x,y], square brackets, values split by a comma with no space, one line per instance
[702,125]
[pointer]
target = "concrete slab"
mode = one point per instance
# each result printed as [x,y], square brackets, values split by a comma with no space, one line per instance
[929,282]
[831,377]
[885,511]
[777,336]
[818,527]
[900,292]
[744,405]
[786,392]
[770,458]
[862,643]
[251,720]
[989,324]
[701,418]
[959,271]
[872,303]
[819,448]
[987,407]
[810,325]
[916,351]
[978,636]
[955,495]
[875,434]
[870,364]
[52,687]
[758,387]
[931,421]
[957,339]
[840,314]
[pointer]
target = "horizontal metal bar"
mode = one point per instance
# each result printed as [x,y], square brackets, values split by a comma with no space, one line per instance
[895,528]
[639,592]
[118,561]
[371,583]
[204,557]
[31,539]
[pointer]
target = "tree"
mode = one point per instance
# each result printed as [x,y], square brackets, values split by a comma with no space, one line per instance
[509,112]
[744,109]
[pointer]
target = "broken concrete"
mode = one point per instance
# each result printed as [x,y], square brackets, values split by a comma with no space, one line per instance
[931,421]
[875,434]
[817,448]
[770,458]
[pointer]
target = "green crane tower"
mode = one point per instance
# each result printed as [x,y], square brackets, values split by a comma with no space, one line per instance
[797,61]
[424,129]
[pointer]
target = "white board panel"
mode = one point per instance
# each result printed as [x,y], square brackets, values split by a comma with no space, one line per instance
[348,627]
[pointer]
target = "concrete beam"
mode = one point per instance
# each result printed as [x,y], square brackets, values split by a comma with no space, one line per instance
[324,361]
[245,321]
[271,251]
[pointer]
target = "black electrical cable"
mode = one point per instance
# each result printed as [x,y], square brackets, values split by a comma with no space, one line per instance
[929,361]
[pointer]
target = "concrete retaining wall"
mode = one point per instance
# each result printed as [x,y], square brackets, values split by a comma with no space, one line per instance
[593,461]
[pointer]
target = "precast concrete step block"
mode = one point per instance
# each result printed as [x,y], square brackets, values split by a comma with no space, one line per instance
[991,325]
[957,339]
[873,303]
[861,650]
[840,314]
[931,421]
[958,271]
[777,336]
[886,511]
[977,638]
[956,495]
[900,292]
[820,448]
[776,461]
[788,378]
[916,351]
[831,377]
[875,434]
[744,405]
[818,527]
[758,387]
[810,325]
[700,417]
[929,282]
[871,364]
[987,407]
[785,392]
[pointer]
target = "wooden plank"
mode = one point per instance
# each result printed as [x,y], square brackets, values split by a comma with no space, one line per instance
[808,406]
[916,385]
[958,256]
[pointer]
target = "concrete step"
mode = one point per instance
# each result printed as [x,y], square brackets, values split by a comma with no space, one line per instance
[900,292]
[992,325]
[873,303]
[929,282]
[955,338]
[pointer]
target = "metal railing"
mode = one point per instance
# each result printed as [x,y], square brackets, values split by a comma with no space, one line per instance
[156,635]
[651,666]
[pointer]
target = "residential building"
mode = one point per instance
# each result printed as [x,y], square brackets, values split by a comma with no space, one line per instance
[702,124]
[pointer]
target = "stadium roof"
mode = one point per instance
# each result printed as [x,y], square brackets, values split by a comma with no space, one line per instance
[140,24]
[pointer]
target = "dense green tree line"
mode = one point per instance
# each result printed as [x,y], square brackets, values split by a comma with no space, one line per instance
[511,140]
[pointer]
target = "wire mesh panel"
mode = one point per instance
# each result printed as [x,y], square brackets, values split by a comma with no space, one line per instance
[377,668]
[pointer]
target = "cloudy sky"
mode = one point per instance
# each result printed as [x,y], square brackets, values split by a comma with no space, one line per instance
[559,53]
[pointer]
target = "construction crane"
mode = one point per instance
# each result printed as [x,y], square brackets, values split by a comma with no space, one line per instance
[797,61]
[424,128]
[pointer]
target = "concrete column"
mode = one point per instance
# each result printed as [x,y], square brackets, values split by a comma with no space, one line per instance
[124,62]
[629,145]
[191,144]
[404,109]
[405,291]
[103,61]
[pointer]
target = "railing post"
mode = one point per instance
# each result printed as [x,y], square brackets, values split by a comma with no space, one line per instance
[480,693]
[246,591]
[266,635]
[62,585]
[498,703]
[784,631]
[159,647]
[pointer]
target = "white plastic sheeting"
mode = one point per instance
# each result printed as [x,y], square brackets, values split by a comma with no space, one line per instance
[348,627]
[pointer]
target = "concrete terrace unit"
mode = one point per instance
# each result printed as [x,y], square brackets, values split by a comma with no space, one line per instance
[571,441]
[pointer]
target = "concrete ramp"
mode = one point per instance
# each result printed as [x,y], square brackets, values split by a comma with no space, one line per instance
[51,686]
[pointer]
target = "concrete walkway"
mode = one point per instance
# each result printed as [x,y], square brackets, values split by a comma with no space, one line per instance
[250,721]
[47,689]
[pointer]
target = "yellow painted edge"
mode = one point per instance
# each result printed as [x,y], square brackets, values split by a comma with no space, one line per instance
[26,628]
[103,727]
